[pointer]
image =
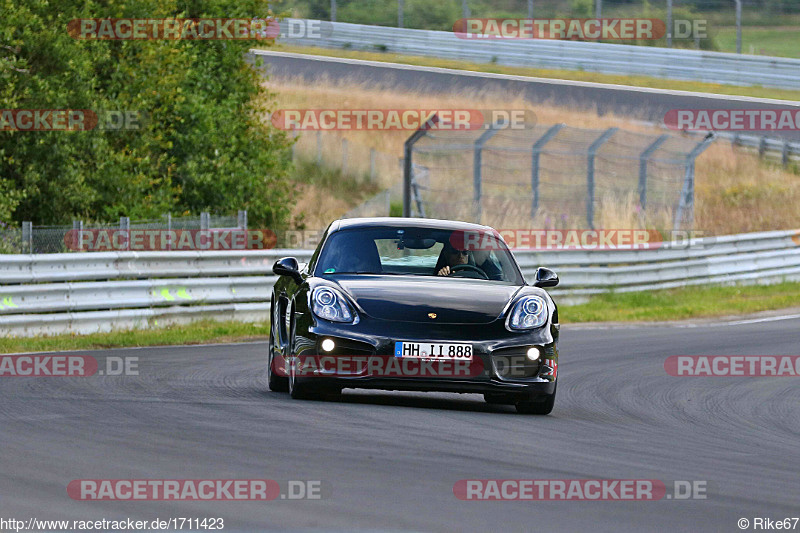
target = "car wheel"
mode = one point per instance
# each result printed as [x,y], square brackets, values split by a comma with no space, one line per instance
[538,407]
[299,391]
[276,383]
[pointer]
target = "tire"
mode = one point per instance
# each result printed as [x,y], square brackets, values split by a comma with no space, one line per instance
[300,391]
[539,407]
[275,382]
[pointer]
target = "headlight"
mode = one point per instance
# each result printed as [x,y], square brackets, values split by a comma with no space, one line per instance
[330,304]
[528,313]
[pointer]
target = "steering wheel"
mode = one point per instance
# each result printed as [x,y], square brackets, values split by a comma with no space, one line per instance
[468,268]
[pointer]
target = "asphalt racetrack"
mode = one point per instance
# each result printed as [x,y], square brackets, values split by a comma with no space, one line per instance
[388,461]
[634,102]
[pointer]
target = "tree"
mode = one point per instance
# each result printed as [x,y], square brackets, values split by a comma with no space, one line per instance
[202,142]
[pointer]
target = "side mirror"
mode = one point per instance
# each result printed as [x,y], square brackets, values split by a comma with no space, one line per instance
[288,267]
[545,278]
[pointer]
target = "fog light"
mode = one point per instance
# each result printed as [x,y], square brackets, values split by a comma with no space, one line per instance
[533,353]
[328,345]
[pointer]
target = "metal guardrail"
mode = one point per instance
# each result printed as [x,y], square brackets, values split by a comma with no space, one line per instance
[670,63]
[47,294]
[779,149]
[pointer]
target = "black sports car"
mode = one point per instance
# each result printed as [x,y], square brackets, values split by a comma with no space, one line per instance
[414,304]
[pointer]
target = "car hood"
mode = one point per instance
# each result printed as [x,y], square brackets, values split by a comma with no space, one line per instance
[413,298]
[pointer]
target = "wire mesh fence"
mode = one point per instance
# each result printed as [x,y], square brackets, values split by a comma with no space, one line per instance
[555,176]
[543,176]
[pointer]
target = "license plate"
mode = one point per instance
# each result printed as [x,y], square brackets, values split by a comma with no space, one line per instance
[433,350]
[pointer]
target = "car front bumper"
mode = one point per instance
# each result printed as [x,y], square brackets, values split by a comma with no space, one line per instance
[499,357]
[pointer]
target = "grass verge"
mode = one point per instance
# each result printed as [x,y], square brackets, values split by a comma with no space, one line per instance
[203,332]
[771,41]
[637,81]
[684,303]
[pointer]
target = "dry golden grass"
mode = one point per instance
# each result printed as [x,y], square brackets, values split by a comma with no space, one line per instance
[735,191]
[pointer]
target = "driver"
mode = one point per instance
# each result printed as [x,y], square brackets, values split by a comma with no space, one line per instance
[481,258]
[452,257]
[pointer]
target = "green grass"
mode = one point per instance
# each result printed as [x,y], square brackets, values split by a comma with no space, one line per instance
[767,41]
[683,303]
[197,333]
[574,75]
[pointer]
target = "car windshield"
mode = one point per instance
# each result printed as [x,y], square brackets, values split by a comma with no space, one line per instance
[479,254]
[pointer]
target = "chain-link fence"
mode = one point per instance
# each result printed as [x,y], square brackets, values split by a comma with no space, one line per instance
[54,239]
[554,176]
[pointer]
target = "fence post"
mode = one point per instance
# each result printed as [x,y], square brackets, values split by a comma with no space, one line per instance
[372,165]
[27,237]
[205,221]
[536,151]
[415,186]
[669,23]
[408,153]
[169,230]
[762,146]
[77,232]
[686,202]
[643,168]
[598,9]
[590,171]
[464,9]
[242,219]
[530,9]
[738,26]
[333,10]
[785,153]
[125,226]
[400,9]
[477,167]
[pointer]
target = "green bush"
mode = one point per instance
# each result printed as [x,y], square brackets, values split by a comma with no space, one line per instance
[581,8]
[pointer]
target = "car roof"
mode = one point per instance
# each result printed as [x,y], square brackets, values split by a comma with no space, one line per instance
[351,223]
